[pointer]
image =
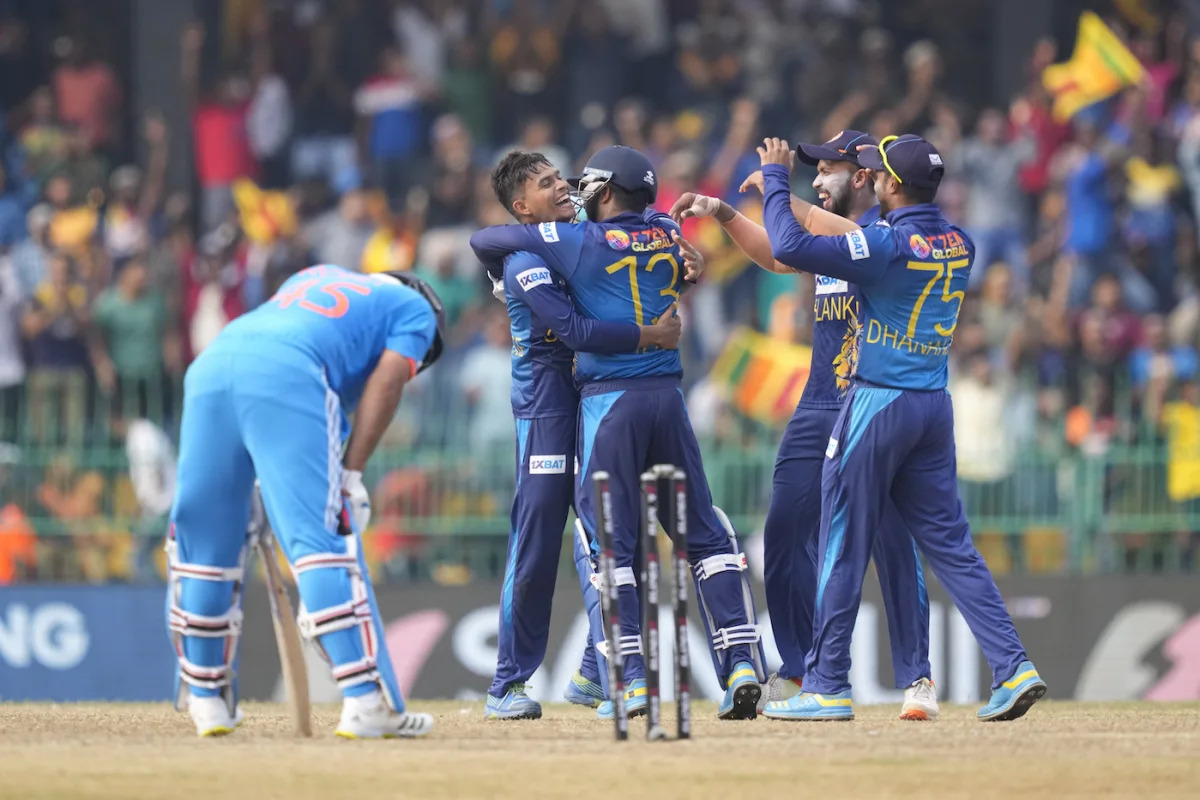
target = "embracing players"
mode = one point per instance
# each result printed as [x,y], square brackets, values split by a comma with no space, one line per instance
[792,525]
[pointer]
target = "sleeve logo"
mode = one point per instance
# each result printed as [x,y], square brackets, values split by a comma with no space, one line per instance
[549,231]
[858,245]
[538,276]
[548,465]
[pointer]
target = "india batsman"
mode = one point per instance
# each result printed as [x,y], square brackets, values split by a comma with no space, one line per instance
[793,520]
[894,436]
[626,267]
[546,329]
[270,397]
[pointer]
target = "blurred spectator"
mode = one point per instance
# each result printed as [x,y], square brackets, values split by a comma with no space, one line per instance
[1157,360]
[340,235]
[135,199]
[324,143]
[29,255]
[135,346]
[525,58]
[12,212]
[988,165]
[389,108]
[1149,227]
[424,28]
[212,283]
[984,433]
[269,119]
[1181,419]
[538,136]
[466,88]
[485,381]
[219,132]
[12,365]
[55,325]
[450,178]
[18,539]
[85,169]
[88,95]
[44,139]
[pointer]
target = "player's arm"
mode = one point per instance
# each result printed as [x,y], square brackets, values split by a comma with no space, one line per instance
[408,341]
[528,278]
[557,243]
[859,256]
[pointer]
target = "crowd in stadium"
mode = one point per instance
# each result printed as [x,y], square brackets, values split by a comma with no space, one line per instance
[361,133]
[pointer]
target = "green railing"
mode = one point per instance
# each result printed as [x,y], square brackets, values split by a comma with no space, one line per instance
[441,506]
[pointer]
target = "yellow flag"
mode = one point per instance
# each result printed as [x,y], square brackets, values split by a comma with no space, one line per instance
[1099,68]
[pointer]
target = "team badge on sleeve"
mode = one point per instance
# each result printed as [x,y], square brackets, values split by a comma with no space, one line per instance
[858,245]
[538,276]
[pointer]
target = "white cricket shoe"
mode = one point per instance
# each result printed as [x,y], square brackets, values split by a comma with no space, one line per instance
[369,717]
[920,701]
[211,716]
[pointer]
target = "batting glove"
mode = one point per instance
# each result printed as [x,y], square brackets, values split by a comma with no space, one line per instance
[357,498]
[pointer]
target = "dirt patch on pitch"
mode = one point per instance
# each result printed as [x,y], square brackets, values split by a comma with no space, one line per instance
[1059,750]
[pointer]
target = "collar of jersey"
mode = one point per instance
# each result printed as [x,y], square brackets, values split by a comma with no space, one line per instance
[624,217]
[919,211]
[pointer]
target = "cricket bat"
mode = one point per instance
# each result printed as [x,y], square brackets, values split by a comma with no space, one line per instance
[287,633]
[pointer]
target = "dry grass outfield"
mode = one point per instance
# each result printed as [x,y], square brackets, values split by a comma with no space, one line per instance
[1059,750]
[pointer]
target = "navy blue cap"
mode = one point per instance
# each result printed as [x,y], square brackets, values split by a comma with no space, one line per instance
[914,161]
[623,166]
[843,147]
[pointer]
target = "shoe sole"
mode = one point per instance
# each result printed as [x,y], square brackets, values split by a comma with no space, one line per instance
[745,703]
[917,715]
[1020,705]
[506,718]
[220,730]
[355,737]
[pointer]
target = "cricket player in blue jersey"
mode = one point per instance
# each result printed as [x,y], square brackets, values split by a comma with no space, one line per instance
[625,266]
[894,436]
[270,397]
[793,520]
[546,330]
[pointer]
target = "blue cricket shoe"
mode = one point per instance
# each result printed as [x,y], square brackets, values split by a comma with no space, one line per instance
[636,698]
[812,706]
[1014,697]
[583,692]
[741,696]
[515,704]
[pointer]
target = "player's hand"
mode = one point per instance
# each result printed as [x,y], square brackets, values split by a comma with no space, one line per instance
[753,180]
[777,151]
[357,498]
[693,259]
[692,204]
[667,330]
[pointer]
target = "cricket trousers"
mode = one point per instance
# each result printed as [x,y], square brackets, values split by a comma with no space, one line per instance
[898,444]
[626,427]
[545,488]
[790,536]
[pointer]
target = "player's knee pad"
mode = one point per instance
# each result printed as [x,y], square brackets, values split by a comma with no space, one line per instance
[356,614]
[728,636]
[226,625]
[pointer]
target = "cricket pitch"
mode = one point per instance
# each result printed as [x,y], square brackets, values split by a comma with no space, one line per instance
[1059,750]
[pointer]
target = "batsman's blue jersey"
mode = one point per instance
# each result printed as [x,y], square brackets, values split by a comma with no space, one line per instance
[835,337]
[911,270]
[546,332]
[626,269]
[342,320]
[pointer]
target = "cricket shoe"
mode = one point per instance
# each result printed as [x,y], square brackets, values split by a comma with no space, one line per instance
[812,706]
[636,698]
[514,704]
[583,692]
[1013,698]
[211,716]
[369,717]
[920,701]
[777,688]
[741,698]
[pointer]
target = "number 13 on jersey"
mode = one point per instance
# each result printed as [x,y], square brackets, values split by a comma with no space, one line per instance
[630,263]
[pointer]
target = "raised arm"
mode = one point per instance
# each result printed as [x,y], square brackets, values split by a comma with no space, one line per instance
[556,243]
[859,256]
